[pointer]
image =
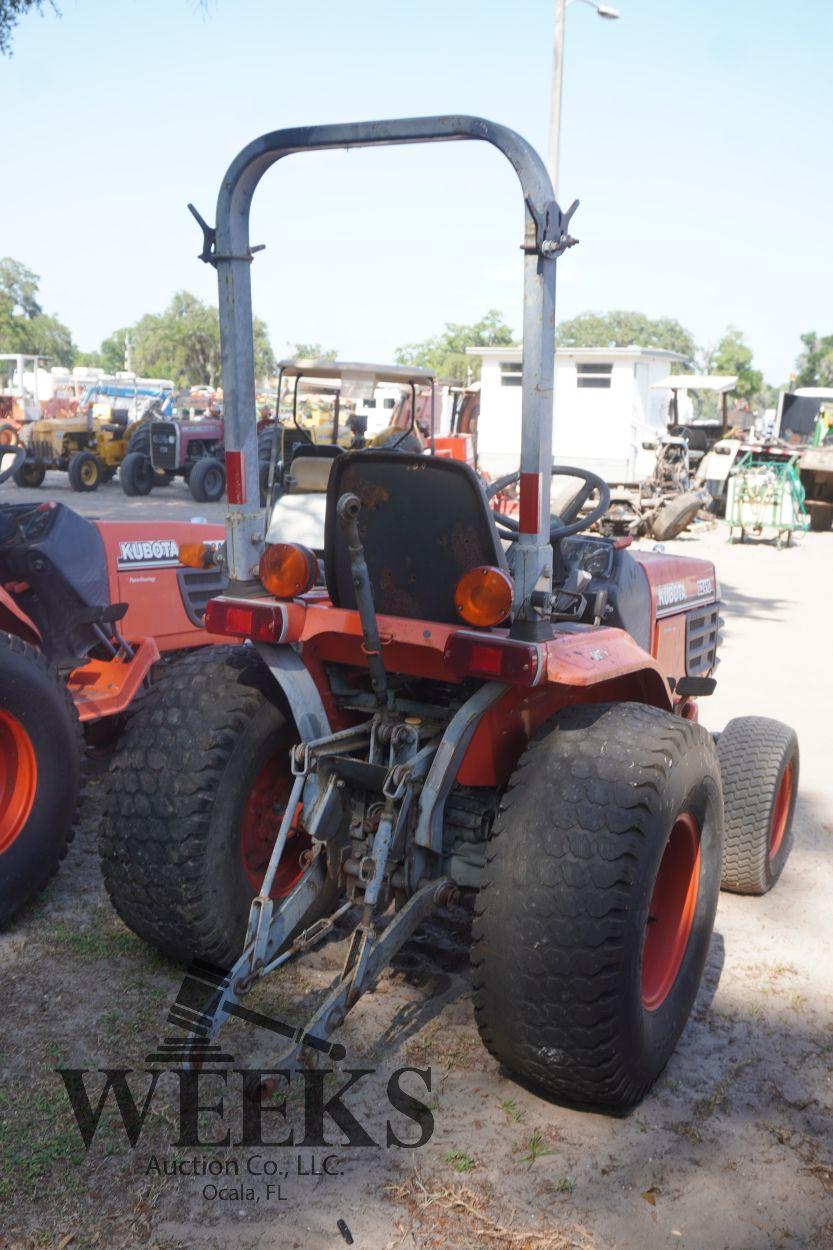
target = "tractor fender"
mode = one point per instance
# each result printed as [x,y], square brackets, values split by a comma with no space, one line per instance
[298,688]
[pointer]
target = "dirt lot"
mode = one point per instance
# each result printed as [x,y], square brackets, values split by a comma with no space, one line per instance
[731,1151]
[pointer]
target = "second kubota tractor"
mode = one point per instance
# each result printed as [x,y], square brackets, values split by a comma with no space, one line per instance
[87,611]
[468,703]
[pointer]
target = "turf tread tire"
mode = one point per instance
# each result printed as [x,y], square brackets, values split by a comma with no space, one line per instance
[21,884]
[164,856]
[557,920]
[753,753]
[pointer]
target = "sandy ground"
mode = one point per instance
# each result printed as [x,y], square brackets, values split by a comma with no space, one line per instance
[732,1149]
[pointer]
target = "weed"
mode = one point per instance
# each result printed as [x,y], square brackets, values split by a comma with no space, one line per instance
[459,1160]
[511,1109]
[535,1148]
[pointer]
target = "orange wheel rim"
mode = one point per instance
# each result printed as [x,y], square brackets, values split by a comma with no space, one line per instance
[781,810]
[261,819]
[18,778]
[671,911]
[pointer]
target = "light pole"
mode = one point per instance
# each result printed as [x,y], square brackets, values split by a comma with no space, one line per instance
[603,10]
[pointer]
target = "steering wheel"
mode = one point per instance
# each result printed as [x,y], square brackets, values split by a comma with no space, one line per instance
[19,457]
[570,522]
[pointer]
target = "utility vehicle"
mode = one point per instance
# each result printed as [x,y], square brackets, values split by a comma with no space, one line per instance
[86,610]
[467,704]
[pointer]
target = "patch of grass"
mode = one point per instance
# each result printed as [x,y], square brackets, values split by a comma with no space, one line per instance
[535,1148]
[460,1161]
[511,1109]
[564,1185]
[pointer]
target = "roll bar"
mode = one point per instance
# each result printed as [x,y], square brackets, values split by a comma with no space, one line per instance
[227,247]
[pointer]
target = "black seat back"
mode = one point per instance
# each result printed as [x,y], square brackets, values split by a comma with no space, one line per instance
[424,523]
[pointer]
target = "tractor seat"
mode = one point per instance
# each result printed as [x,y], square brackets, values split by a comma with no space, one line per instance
[424,523]
[309,473]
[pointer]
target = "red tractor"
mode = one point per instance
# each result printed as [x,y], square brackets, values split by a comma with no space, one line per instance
[447,701]
[163,448]
[86,610]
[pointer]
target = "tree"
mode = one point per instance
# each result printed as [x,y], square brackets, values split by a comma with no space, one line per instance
[312,351]
[814,367]
[624,329]
[445,354]
[24,326]
[181,343]
[11,12]
[732,355]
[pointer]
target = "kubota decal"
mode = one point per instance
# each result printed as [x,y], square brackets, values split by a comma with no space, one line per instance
[149,553]
[153,553]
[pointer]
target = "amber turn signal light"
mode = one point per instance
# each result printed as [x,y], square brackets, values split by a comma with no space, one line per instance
[288,569]
[196,555]
[484,596]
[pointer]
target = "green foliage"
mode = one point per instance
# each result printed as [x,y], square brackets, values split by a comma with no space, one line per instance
[313,351]
[181,343]
[733,355]
[11,12]
[622,329]
[24,326]
[446,355]
[814,366]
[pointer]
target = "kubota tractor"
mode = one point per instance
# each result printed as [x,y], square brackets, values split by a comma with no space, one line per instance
[86,610]
[467,704]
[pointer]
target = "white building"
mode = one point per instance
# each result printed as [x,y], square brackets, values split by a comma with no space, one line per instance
[607,407]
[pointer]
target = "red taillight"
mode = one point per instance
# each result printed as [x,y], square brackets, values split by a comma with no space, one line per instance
[496,659]
[237,618]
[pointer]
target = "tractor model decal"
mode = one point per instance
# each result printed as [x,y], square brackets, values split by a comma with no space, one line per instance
[671,596]
[155,553]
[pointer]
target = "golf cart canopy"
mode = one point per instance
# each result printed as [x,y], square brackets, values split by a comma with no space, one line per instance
[403,375]
[720,383]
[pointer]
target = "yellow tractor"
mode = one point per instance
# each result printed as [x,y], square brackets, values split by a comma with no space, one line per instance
[90,445]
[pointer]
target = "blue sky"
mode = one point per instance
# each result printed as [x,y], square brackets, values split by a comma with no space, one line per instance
[696,136]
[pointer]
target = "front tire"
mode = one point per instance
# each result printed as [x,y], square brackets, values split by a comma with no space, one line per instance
[30,475]
[192,807]
[598,900]
[84,471]
[136,474]
[40,773]
[759,762]
[207,480]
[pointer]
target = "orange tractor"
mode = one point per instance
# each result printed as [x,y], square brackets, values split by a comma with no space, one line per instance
[446,701]
[87,608]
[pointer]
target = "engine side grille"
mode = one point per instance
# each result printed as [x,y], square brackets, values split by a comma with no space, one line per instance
[702,628]
[163,444]
[197,586]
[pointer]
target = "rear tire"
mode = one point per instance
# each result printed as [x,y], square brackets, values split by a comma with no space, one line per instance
[613,814]
[9,435]
[39,736]
[207,480]
[759,762]
[84,471]
[177,799]
[30,475]
[136,474]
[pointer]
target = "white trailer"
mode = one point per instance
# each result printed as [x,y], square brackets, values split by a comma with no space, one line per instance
[609,413]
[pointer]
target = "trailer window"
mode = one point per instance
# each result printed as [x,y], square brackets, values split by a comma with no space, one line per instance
[511,374]
[594,375]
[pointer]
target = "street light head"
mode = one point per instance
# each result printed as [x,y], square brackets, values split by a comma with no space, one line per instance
[606,10]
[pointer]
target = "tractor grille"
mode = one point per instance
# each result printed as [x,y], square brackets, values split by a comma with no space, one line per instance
[702,635]
[197,586]
[41,450]
[163,444]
